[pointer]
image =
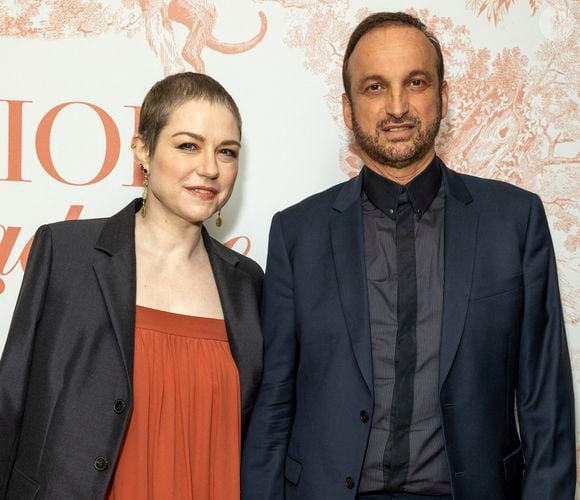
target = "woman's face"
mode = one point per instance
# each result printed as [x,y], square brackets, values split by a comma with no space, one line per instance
[193,169]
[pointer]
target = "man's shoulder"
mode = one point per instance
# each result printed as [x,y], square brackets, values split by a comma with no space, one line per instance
[493,191]
[318,201]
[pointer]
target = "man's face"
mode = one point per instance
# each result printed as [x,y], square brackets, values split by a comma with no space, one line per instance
[396,102]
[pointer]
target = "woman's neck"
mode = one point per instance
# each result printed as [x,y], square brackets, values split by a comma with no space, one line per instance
[169,237]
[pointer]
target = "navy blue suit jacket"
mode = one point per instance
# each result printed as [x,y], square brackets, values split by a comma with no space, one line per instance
[503,345]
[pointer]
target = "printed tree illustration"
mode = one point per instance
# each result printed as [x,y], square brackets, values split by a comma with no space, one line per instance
[510,119]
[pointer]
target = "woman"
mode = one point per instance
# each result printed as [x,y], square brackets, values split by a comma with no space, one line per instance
[134,354]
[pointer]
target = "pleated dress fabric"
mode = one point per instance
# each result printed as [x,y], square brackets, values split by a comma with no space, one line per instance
[183,440]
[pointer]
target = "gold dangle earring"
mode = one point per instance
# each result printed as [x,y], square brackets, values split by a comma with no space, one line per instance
[145,188]
[218,221]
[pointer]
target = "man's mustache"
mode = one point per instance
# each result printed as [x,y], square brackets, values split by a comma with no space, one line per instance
[398,121]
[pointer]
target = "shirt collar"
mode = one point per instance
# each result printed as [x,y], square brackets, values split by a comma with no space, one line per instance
[384,193]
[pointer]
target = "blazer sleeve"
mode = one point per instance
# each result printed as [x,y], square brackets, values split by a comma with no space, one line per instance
[264,454]
[16,358]
[545,392]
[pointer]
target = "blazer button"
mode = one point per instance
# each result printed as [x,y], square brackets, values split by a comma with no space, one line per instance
[119,406]
[349,483]
[101,463]
[364,417]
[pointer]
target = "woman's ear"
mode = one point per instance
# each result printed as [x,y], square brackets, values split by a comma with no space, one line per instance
[140,151]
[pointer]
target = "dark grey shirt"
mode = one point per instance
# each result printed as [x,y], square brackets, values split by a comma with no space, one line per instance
[427,470]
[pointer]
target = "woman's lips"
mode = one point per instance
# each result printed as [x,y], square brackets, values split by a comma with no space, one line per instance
[204,193]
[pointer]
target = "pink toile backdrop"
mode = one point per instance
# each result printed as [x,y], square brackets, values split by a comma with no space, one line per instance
[75,71]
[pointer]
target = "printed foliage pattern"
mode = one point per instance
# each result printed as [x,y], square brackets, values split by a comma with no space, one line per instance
[65,18]
[510,119]
[62,18]
[495,10]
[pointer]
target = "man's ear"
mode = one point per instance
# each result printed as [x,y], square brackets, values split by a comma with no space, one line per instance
[444,98]
[347,111]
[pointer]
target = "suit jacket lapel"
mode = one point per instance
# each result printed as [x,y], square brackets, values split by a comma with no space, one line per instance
[235,290]
[116,276]
[461,220]
[346,230]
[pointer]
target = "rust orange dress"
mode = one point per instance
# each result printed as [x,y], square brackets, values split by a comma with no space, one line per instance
[183,440]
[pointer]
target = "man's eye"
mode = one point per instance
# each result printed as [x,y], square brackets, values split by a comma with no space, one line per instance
[374,87]
[188,146]
[417,83]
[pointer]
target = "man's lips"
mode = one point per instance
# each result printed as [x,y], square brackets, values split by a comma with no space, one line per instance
[398,127]
[397,132]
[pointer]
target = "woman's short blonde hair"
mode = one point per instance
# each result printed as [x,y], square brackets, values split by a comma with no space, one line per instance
[173,91]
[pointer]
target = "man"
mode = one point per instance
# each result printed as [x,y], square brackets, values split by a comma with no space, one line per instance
[414,342]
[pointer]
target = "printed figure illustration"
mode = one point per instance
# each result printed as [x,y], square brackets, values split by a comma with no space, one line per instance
[62,18]
[199,17]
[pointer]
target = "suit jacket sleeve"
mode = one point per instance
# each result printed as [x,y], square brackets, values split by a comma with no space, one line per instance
[264,454]
[17,356]
[545,393]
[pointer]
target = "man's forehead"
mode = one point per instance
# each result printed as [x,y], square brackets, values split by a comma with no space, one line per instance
[405,45]
[399,32]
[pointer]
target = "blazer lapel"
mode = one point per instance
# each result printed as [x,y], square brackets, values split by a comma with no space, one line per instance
[116,277]
[236,291]
[461,220]
[346,230]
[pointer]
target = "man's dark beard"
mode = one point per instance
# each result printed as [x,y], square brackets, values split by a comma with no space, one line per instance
[386,154]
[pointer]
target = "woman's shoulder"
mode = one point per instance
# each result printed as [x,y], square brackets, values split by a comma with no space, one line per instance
[242,262]
[71,233]
[250,265]
[74,228]
[88,231]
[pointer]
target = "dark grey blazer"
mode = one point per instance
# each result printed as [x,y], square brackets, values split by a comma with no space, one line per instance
[66,371]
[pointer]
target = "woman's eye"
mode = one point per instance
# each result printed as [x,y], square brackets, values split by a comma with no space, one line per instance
[188,146]
[228,152]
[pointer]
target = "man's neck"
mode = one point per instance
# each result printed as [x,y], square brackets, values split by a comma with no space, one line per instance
[401,175]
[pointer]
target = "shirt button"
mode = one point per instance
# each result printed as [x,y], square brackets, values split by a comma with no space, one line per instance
[349,483]
[364,417]
[101,463]
[402,189]
[391,211]
[119,406]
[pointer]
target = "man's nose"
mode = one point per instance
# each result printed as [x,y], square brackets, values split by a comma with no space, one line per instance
[397,103]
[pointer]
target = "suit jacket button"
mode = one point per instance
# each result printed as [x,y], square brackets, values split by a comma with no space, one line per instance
[364,417]
[119,406]
[349,483]
[101,463]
